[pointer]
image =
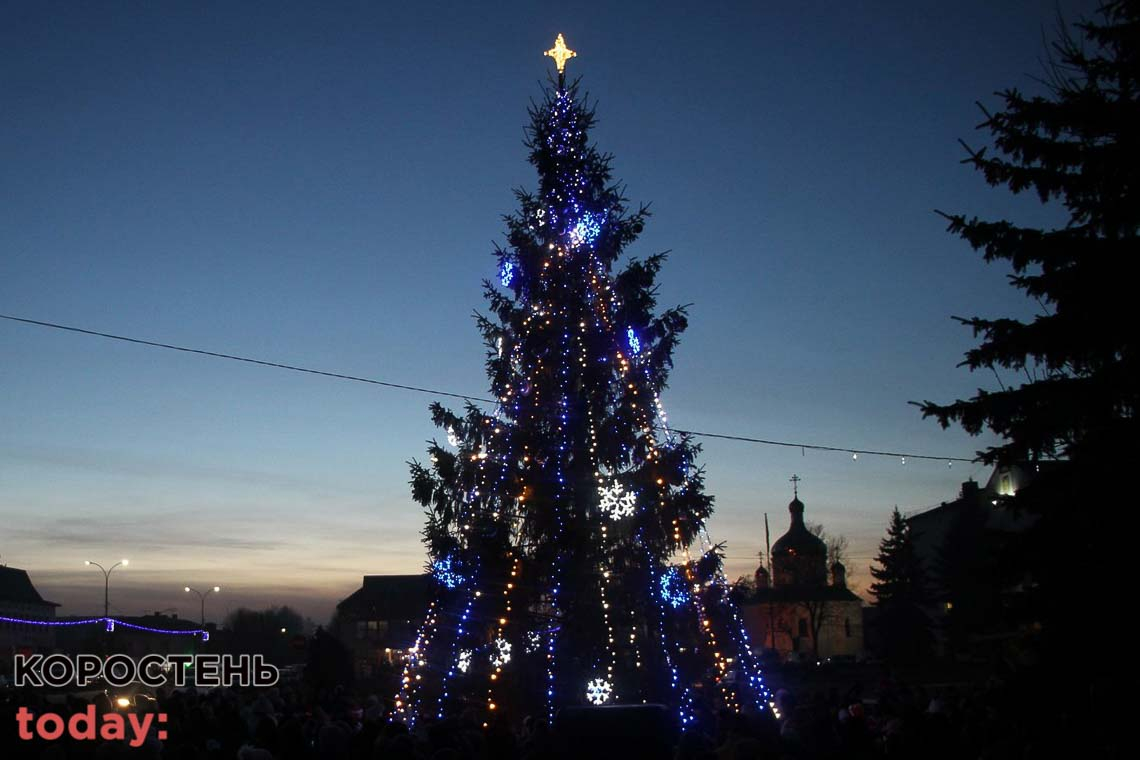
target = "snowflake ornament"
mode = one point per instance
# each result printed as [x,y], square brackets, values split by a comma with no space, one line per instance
[464,661]
[634,341]
[452,438]
[616,501]
[500,652]
[533,642]
[446,572]
[674,590]
[598,691]
[586,231]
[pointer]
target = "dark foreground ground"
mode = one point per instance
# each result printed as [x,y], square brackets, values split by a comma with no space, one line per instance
[845,712]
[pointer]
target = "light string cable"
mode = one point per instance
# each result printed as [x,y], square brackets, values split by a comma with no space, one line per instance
[855,451]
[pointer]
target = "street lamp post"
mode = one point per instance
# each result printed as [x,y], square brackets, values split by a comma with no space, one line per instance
[107,582]
[202,597]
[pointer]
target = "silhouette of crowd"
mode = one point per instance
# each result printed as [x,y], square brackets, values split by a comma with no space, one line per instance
[292,723]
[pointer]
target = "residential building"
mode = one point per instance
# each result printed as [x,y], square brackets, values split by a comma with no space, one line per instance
[378,622]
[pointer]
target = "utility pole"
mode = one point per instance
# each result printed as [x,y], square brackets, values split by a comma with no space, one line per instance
[771,582]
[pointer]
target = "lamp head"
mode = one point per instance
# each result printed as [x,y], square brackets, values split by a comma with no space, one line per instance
[217,589]
[187,589]
[126,562]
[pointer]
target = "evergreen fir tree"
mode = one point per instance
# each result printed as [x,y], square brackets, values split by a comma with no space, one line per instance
[900,593]
[552,518]
[1077,145]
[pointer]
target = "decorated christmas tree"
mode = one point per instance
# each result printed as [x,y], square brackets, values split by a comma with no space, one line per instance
[565,524]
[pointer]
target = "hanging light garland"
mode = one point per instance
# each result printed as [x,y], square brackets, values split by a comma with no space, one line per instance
[109,624]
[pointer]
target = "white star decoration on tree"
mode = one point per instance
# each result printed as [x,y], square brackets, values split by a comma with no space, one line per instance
[598,691]
[616,501]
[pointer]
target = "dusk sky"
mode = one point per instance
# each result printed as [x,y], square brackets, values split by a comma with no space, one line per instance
[322,184]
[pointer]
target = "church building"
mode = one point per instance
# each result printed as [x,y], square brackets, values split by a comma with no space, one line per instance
[798,610]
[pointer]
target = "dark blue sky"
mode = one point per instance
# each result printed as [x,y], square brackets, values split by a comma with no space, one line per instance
[321,184]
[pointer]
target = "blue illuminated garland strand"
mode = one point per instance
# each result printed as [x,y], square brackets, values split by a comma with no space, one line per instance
[454,651]
[110,624]
[684,698]
[561,109]
[685,709]
[761,694]
[745,657]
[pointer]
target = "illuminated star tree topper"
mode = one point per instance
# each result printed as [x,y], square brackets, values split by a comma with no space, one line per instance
[561,54]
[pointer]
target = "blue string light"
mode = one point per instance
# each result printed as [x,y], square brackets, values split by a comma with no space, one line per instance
[109,625]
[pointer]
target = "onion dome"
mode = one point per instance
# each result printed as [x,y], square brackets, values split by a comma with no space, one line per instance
[799,557]
[799,540]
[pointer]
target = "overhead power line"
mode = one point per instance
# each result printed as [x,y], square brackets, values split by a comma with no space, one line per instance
[816,447]
[246,359]
[854,452]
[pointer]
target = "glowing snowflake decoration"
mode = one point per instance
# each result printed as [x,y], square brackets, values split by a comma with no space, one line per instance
[452,438]
[464,661]
[634,342]
[586,231]
[598,691]
[446,572]
[500,652]
[673,588]
[617,502]
[507,273]
[533,642]
[540,214]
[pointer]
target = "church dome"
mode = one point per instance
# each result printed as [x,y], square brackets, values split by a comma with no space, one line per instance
[799,557]
[799,540]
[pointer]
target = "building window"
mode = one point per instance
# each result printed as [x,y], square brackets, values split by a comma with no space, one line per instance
[803,627]
[1005,485]
[847,627]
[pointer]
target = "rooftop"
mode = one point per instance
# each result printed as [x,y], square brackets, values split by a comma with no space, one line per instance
[16,588]
[389,597]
